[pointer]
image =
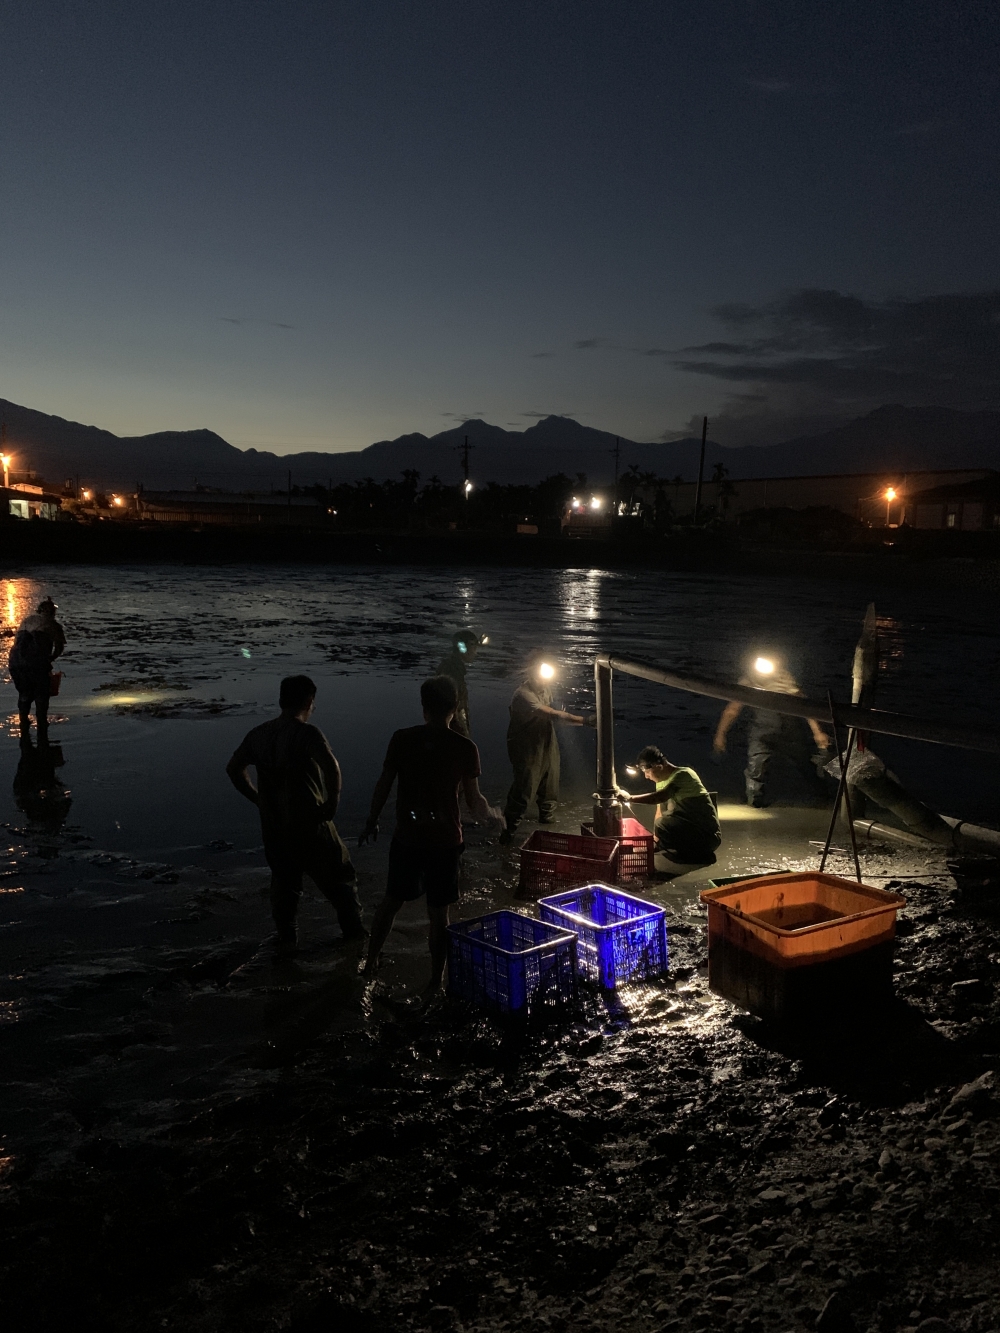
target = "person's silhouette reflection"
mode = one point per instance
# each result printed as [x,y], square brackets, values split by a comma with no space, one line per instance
[38,791]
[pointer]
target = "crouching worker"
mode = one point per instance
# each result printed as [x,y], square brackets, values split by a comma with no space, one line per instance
[430,764]
[686,829]
[297,794]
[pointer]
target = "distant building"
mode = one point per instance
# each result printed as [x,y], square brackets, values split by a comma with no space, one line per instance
[968,506]
[26,500]
[863,495]
[227,509]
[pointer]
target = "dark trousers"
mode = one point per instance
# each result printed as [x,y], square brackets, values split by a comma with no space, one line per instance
[324,858]
[787,739]
[32,690]
[684,843]
[536,777]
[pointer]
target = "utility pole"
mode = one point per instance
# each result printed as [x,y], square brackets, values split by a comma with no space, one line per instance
[289,488]
[617,451]
[465,446]
[701,470]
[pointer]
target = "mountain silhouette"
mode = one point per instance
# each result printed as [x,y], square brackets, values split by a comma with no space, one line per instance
[891,438]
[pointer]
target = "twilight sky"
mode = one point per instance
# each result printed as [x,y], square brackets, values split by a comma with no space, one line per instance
[315,225]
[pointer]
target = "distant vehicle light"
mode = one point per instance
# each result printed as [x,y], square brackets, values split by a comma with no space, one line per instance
[595,502]
[85,495]
[546,671]
[763,666]
[117,500]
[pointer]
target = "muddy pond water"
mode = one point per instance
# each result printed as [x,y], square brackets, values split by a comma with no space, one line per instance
[131,887]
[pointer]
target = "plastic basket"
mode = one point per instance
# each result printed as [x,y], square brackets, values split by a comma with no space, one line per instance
[551,861]
[785,946]
[511,963]
[621,938]
[636,857]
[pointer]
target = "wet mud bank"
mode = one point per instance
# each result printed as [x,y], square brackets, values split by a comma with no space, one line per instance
[661,1162]
[969,564]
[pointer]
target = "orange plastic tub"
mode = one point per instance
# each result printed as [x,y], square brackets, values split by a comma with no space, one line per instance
[789,945]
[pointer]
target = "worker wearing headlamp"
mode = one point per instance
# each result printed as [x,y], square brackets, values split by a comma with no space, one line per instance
[686,828]
[533,747]
[465,645]
[774,735]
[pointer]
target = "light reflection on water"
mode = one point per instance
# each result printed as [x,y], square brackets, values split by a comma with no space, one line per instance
[158,686]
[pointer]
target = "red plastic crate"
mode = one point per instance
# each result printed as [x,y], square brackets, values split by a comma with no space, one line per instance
[636,860]
[554,861]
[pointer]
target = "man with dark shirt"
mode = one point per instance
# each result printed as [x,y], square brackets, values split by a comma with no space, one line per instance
[464,650]
[297,793]
[430,764]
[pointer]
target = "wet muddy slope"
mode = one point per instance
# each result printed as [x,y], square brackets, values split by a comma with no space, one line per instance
[662,1163]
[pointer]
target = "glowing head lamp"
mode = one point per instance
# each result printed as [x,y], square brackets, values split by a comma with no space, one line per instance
[546,671]
[764,666]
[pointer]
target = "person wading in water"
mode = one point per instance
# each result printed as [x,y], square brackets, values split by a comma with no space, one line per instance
[297,794]
[40,640]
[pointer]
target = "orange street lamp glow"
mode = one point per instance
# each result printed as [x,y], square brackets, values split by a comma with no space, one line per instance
[890,495]
[5,460]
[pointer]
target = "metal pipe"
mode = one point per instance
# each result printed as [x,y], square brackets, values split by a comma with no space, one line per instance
[795,705]
[606,784]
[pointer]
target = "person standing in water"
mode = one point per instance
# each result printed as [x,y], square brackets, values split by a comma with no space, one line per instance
[686,828]
[297,794]
[533,747]
[39,641]
[465,645]
[775,735]
[430,765]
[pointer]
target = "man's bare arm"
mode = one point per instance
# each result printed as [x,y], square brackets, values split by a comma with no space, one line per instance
[379,797]
[819,735]
[333,781]
[729,715]
[239,776]
[478,805]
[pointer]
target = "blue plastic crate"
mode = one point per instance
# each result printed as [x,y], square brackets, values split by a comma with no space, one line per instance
[621,938]
[511,963]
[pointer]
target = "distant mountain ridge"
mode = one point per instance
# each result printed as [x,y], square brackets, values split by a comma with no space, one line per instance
[891,438]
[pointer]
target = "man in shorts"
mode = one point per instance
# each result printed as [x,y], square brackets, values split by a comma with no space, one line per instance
[297,793]
[430,765]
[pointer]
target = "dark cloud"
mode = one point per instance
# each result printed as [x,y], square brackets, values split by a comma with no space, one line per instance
[268,323]
[541,416]
[536,356]
[588,344]
[819,356]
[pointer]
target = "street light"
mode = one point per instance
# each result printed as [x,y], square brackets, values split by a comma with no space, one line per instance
[5,460]
[595,502]
[890,495]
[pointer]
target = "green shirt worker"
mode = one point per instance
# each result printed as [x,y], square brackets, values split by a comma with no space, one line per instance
[686,828]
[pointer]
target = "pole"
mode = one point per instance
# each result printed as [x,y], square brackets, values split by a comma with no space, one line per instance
[607,811]
[289,488]
[842,795]
[701,469]
[794,705]
[617,451]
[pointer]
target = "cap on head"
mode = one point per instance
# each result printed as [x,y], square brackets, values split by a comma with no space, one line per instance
[296,692]
[464,639]
[47,607]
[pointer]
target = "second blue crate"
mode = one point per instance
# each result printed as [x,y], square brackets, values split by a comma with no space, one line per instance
[620,938]
[511,964]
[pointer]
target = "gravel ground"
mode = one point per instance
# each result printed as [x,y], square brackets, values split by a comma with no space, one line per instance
[662,1162]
